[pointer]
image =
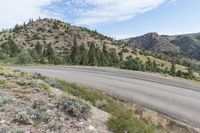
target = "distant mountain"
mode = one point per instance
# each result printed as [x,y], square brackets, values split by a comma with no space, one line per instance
[187,45]
[152,42]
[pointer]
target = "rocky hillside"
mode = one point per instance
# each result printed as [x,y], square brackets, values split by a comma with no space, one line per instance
[49,31]
[153,42]
[187,45]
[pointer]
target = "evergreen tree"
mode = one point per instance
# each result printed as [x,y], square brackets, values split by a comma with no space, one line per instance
[155,66]
[83,55]
[50,53]
[179,73]
[114,60]
[98,55]
[103,59]
[173,69]
[10,47]
[105,52]
[92,56]
[74,53]
[190,73]
[133,64]
[38,48]
[149,65]
[24,58]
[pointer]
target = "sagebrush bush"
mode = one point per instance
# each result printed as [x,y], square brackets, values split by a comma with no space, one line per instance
[101,104]
[22,91]
[44,88]
[23,117]
[3,100]
[23,82]
[121,119]
[37,117]
[7,85]
[39,105]
[39,76]
[17,130]
[76,108]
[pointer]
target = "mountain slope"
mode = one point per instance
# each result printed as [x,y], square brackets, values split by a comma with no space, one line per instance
[152,42]
[187,45]
[59,34]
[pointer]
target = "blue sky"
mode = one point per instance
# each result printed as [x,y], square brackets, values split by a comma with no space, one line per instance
[115,18]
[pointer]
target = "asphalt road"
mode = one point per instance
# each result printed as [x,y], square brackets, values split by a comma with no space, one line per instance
[178,99]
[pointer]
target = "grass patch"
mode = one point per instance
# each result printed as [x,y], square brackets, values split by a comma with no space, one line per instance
[45,88]
[122,119]
[5,84]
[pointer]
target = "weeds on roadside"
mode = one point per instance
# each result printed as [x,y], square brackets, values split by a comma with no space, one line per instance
[121,120]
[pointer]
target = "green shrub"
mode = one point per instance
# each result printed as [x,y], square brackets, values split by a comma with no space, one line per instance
[24,58]
[121,119]
[39,76]
[3,100]
[125,121]
[37,117]
[39,105]
[23,82]
[54,125]
[17,130]
[76,108]
[101,104]
[44,88]
[23,117]
[3,55]
[7,85]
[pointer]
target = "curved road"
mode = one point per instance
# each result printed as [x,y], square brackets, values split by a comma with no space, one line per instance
[176,98]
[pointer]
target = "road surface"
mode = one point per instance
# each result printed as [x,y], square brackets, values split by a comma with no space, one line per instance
[178,99]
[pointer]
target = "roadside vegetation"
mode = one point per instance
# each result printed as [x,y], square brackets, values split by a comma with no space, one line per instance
[36,103]
[122,119]
[32,101]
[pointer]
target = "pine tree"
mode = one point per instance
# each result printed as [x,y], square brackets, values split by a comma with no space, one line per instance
[155,66]
[50,53]
[148,65]
[173,69]
[92,56]
[190,73]
[114,60]
[98,55]
[83,55]
[38,48]
[74,53]
[105,55]
[10,47]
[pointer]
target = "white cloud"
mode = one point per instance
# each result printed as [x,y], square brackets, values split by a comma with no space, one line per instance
[18,11]
[108,11]
[80,12]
